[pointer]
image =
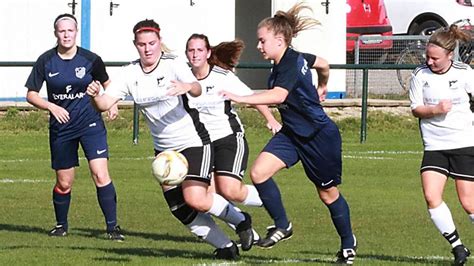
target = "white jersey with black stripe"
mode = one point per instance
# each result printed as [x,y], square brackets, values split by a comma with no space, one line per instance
[172,123]
[217,113]
[455,129]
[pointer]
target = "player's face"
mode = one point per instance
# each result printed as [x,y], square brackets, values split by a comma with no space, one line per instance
[197,53]
[269,44]
[66,32]
[438,59]
[149,47]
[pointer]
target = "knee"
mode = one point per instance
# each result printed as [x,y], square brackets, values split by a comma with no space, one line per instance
[233,193]
[201,202]
[258,175]
[432,200]
[63,185]
[101,178]
[468,205]
[328,195]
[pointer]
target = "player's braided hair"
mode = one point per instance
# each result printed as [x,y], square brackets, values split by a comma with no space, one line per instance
[225,54]
[447,37]
[289,23]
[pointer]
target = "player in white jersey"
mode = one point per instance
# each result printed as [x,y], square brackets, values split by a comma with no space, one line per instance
[160,85]
[440,97]
[213,67]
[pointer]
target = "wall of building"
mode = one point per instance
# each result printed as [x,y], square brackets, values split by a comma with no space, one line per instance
[26,27]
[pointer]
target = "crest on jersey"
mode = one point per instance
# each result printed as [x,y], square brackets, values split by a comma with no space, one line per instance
[80,72]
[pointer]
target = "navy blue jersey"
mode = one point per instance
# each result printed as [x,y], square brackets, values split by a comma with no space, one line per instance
[66,83]
[301,112]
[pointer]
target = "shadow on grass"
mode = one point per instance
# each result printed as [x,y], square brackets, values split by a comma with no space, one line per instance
[96,233]
[411,260]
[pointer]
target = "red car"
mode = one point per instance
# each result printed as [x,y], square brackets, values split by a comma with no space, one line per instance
[369,18]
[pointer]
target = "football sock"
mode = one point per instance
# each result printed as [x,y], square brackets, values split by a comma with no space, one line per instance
[341,219]
[252,199]
[108,204]
[175,199]
[271,198]
[225,211]
[61,204]
[204,227]
[443,220]
[471,218]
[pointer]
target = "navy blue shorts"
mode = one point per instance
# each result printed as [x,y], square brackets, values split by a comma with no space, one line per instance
[200,162]
[64,149]
[320,155]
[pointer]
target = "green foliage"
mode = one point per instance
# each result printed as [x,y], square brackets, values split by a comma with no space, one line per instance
[381,184]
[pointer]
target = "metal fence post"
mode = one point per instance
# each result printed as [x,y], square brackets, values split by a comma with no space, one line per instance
[136,116]
[365,92]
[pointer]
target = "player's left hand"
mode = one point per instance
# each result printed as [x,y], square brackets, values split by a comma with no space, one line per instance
[112,113]
[322,92]
[274,126]
[177,88]
[229,96]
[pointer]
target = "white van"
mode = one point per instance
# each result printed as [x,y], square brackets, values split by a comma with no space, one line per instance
[414,17]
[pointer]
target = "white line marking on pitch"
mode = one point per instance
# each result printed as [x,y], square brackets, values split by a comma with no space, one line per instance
[9,180]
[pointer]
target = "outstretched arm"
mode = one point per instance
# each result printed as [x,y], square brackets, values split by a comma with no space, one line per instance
[103,102]
[275,95]
[272,124]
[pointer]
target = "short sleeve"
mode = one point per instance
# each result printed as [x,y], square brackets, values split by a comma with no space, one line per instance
[416,92]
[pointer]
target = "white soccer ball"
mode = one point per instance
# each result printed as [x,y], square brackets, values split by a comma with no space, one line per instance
[170,167]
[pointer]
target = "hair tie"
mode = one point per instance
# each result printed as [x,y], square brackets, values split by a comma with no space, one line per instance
[147,29]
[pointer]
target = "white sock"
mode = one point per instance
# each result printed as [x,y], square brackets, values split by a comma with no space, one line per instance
[206,229]
[225,211]
[252,199]
[471,217]
[443,220]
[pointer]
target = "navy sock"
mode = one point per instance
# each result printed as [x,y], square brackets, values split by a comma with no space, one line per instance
[271,198]
[342,221]
[108,203]
[61,204]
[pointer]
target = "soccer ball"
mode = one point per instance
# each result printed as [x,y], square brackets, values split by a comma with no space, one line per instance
[170,167]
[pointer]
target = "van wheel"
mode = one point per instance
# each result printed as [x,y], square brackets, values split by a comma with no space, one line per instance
[425,27]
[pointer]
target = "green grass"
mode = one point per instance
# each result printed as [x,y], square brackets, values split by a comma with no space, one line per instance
[381,184]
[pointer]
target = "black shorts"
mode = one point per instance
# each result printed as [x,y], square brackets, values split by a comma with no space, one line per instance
[200,162]
[456,163]
[231,154]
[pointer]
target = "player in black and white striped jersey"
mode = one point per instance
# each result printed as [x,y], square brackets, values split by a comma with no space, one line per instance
[213,67]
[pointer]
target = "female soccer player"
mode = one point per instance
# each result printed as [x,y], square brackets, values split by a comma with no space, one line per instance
[213,67]
[67,70]
[160,85]
[440,97]
[308,134]
[219,117]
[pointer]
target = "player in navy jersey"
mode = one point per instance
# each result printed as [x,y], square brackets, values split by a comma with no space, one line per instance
[67,70]
[440,94]
[308,134]
[161,84]
[213,67]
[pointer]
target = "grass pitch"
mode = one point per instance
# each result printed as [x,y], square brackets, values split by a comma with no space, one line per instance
[380,182]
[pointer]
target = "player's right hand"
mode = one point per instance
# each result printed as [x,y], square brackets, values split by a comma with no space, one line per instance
[444,106]
[93,89]
[61,114]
